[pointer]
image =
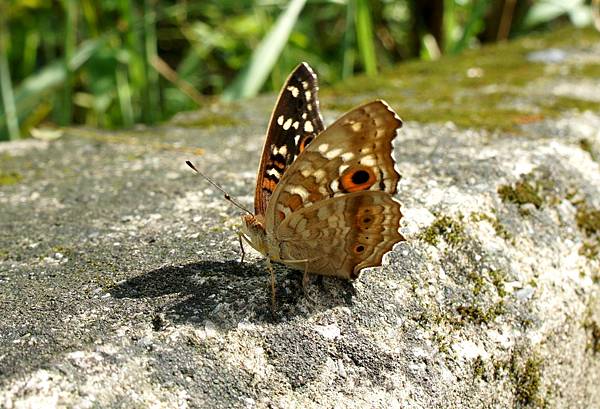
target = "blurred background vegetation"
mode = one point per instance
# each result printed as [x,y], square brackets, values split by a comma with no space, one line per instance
[115,63]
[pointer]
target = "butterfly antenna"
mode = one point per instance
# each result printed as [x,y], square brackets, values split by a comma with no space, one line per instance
[212,182]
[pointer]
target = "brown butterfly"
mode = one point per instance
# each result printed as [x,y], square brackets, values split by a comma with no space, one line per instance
[324,202]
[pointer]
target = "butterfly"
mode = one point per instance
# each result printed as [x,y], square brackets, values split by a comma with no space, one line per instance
[324,201]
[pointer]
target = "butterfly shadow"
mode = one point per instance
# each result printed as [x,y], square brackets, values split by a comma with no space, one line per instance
[227,293]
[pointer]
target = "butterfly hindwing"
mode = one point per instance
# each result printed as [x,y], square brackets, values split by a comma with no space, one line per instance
[294,123]
[341,236]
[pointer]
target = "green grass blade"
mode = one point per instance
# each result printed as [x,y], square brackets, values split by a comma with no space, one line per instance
[544,11]
[8,101]
[150,42]
[450,24]
[364,36]
[254,75]
[124,95]
[65,107]
[472,27]
[30,49]
[349,38]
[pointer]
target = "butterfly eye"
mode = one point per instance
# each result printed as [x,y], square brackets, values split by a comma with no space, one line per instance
[357,178]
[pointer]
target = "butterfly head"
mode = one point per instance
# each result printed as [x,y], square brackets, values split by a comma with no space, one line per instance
[254,229]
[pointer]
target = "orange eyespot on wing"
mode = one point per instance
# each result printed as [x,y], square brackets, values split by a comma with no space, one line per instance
[357,178]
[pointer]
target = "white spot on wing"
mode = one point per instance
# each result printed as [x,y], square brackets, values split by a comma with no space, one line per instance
[296,139]
[296,125]
[334,153]
[274,172]
[319,174]
[368,160]
[323,147]
[287,124]
[298,190]
[280,120]
[308,127]
[308,95]
[293,90]
[347,156]
[334,185]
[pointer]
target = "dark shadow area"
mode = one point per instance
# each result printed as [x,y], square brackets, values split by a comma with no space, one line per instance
[229,292]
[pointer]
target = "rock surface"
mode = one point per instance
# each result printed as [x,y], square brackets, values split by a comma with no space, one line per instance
[120,281]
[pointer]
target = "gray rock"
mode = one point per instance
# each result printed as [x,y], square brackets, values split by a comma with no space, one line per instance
[120,281]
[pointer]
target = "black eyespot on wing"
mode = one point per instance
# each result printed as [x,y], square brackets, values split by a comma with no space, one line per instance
[359,177]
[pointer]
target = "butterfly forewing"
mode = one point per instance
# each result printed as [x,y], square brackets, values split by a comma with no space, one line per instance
[295,122]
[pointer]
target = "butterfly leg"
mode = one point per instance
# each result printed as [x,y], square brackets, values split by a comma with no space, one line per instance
[272,272]
[240,236]
[305,278]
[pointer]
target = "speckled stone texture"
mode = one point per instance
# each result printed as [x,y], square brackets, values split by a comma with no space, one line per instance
[120,281]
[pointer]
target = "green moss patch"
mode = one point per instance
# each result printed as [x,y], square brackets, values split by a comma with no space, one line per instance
[537,188]
[451,230]
[526,377]
[498,227]
[477,314]
[10,178]
[587,145]
[495,280]
[524,370]
[590,249]
[593,330]
[481,88]
[498,278]
[521,192]
[478,366]
[588,220]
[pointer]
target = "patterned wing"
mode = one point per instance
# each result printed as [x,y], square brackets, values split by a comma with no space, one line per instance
[294,123]
[341,236]
[354,154]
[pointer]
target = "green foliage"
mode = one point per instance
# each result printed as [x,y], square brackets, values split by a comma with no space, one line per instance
[117,62]
[253,76]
